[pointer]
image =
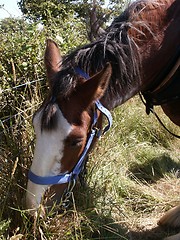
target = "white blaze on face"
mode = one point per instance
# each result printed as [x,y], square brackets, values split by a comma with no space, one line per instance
[47,156]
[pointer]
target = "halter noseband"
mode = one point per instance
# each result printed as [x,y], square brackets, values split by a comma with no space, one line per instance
[72,176]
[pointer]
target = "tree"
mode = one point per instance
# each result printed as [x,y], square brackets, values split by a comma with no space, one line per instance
[93,14]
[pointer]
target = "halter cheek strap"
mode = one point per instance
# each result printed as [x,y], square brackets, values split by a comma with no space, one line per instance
[72,176]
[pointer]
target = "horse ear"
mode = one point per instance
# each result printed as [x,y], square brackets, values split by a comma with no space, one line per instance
[94,88]
[52,60]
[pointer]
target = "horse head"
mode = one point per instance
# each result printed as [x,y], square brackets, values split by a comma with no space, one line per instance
[62,124]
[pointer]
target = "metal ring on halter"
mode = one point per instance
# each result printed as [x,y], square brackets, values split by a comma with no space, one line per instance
[71,185]
[66,198]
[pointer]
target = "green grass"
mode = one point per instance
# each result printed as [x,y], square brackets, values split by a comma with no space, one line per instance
[130,180]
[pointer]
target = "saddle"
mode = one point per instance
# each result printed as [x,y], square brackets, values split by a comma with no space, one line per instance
[168,87]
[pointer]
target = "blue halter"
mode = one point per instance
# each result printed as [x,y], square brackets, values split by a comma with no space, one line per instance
[72,176]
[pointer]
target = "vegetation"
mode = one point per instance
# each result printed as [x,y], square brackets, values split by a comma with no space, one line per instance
[93,14]
[131,172]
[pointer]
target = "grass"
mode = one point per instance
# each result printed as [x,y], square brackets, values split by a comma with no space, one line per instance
[130,182]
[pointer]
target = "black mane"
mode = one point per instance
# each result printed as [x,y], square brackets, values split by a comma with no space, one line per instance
[116,47]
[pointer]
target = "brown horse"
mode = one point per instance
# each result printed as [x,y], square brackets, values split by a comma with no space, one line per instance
[139,52]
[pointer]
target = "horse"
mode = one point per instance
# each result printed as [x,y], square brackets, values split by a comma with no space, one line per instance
[138,53]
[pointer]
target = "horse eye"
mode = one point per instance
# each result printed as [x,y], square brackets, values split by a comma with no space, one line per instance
[74,142]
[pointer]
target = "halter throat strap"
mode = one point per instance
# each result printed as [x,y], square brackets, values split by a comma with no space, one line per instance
[72,176]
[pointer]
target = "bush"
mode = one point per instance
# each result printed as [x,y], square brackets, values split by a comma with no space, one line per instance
[22,89]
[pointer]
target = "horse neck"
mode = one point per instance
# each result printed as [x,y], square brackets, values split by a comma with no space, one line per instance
[157,47]
[161,39]
[114,98]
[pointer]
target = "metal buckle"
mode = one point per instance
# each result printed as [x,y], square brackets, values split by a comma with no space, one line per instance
[98,132]
[68,195]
